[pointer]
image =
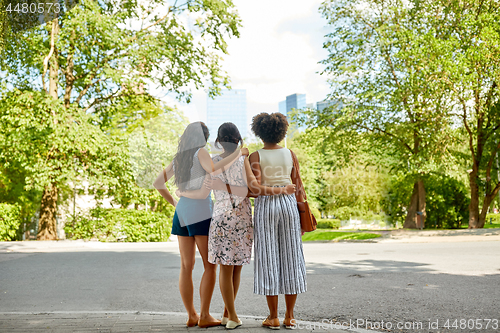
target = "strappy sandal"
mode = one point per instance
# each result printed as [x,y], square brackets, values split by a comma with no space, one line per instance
[273,324]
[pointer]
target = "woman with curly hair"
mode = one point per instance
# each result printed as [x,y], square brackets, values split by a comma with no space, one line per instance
[191,166]
[279,260]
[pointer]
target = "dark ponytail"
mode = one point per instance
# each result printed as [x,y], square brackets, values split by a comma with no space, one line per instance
[228,137]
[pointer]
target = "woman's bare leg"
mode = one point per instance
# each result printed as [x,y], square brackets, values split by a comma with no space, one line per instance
[187,250]
[236,284]
[272,303]
[290,304]
[227,290]
[207,280]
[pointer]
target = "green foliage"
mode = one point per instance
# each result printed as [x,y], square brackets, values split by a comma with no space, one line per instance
[495,218]
[328,224]
[447,200]
[315,212]
[10,219]
[128,225]
[46,142]
[319,235]
[375,72]
[103,56]
[345,212]
[495,221]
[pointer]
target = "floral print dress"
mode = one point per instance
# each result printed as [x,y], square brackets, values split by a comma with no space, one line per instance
[230,237]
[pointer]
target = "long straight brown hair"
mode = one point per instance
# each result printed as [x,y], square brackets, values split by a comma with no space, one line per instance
[195,136]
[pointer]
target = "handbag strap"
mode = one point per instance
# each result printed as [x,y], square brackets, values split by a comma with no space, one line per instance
[300,186]
[229,189]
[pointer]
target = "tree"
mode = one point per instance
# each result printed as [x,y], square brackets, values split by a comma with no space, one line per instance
[471,70]
[48,144]
[104,51]
[382,81]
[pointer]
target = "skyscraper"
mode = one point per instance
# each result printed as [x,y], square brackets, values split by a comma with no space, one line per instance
[230,106]
[295,101]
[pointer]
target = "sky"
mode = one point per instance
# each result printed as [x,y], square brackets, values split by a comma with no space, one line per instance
[276,55]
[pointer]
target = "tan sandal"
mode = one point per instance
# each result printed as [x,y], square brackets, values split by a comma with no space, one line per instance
[273,324]
[290,323]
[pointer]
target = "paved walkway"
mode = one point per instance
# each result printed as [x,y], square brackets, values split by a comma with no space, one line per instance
[113,321]
[72,286]
[439,236]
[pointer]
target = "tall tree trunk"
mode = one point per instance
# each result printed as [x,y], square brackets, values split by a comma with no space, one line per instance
[48,210]
[422,214]
[488,199]
[48,206]
[474,200]
[414,220]
[410,220]
[484,211]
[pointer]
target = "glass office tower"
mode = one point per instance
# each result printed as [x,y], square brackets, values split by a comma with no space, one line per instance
[295,101]
[230,106]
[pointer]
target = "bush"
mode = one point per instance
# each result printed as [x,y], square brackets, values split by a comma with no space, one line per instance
[447,200]
[128,225]
[10,219]
[344,213]
[316,212]
[328,224]
[495,218]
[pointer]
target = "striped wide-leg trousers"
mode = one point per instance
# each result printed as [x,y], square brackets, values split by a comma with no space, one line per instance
[279,265]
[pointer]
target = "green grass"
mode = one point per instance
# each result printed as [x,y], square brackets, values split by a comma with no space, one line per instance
[487,225]
[336,235]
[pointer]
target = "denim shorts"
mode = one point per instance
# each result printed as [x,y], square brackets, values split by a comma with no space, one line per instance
[192,217]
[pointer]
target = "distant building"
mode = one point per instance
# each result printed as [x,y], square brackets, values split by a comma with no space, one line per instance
[230,106]
[295,101]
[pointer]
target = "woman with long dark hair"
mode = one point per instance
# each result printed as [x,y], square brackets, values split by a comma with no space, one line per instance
[191,223]
[279,259]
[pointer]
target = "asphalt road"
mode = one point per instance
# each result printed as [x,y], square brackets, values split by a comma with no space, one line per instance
[404,284]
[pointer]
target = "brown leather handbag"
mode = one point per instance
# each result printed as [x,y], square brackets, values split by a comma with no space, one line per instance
[307,220]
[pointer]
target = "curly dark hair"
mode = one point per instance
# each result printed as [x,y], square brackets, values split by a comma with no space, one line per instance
[270,128]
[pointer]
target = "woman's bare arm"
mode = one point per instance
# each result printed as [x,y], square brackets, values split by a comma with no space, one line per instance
[255,164]
[219,185]
[295,177]
[215,169]
[160,181]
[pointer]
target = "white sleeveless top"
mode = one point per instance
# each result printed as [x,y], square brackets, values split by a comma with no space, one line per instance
[276,166]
